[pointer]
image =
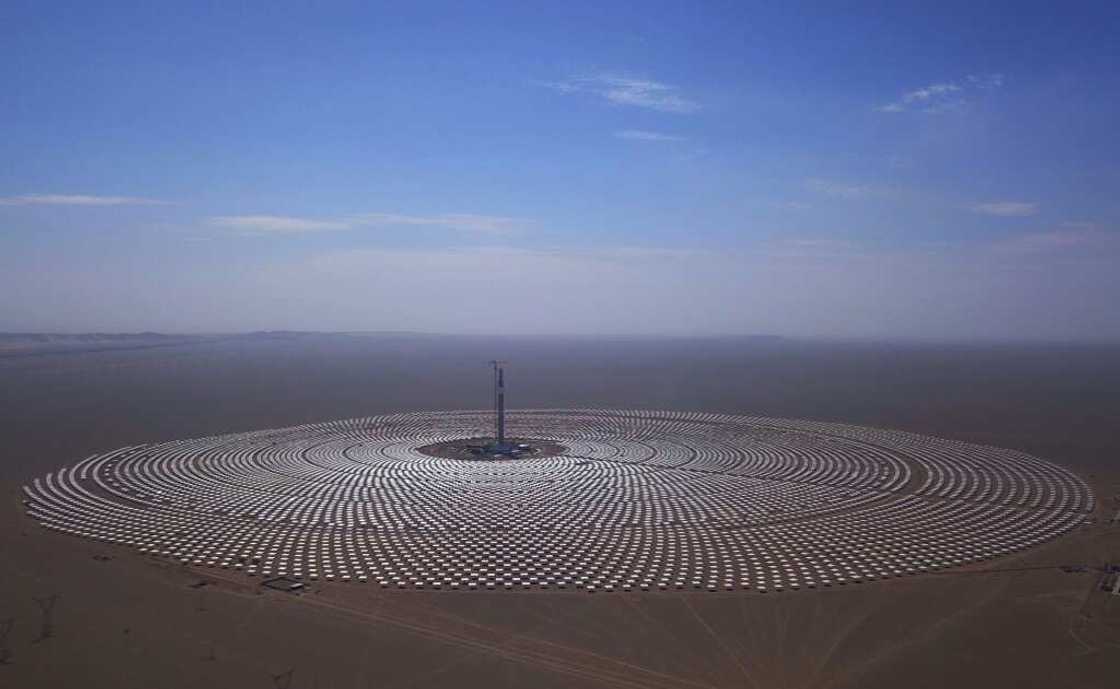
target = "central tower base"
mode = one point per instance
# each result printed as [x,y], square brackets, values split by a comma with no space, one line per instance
[490,449]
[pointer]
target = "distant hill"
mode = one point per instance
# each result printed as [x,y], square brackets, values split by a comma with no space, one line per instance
[29,344]
[34,343]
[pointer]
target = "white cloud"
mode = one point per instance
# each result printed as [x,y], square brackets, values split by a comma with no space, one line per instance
[932,98]
[794,205]
[466,222]
[1005,209]
[280,224]
[644,135]
[626,90]
[985,81]
[77,200]
[276,224]
[931,92]
[813,245]
[840,190]
[1068,237]
[942,96]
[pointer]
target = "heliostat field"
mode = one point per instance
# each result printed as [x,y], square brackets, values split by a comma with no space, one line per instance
[624,501]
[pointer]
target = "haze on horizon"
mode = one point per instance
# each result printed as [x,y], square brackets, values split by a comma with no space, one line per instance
[942,172]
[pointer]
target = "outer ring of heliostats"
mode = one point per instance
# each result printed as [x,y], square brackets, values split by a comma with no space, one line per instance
[637,501]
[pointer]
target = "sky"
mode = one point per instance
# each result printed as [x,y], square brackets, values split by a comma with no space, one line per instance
[894,170]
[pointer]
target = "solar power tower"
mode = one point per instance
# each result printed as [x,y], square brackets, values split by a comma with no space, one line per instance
[499,403]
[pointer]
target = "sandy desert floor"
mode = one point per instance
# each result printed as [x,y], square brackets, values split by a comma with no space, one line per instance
[119,619]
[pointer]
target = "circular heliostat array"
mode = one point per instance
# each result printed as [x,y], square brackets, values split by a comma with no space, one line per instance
[637,500]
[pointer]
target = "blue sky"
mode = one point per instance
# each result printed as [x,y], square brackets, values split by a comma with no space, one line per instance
[896,170]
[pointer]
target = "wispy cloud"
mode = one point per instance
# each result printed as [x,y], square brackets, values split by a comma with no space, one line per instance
[794,205]
[466,222]
[935,96]
[1067,237]
[942,96]
[812,247]
[78,200]
[627,90]
[840,190]
[1005,209]
[985,81]
[276,224]
[289,225]
[644,135]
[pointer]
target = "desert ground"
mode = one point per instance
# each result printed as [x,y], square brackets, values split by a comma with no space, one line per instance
[75,613]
